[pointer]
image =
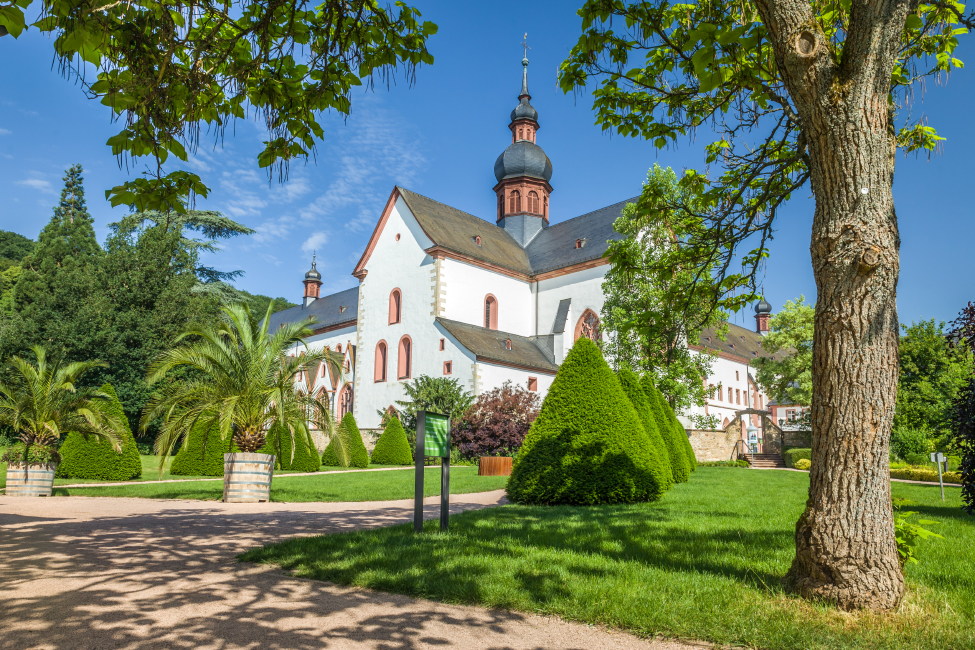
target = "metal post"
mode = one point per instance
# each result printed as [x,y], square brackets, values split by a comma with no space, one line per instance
[444,494]
[421,417]
[940,480]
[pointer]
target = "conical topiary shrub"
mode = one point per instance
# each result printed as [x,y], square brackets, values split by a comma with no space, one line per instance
[193,460]
[330,457]
[587,445]
[630,383]
[393,448]
[358,456]
[679,464]
[95,458]
[295,453]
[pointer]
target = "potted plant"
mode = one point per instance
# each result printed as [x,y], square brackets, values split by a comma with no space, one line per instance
[241,383]
[42,402]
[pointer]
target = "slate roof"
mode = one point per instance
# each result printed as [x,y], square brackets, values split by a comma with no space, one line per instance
[489,345]
[553,248]
[325,310]
[739,342]
[561,316]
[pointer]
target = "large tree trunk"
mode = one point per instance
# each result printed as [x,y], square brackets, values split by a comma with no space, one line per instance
[845,547]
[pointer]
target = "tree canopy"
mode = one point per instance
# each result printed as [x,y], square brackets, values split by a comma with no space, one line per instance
[171,70]
[786,375]
[934,371]
[653,307]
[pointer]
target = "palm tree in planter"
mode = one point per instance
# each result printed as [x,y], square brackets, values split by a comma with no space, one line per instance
[241,383]
[42,402]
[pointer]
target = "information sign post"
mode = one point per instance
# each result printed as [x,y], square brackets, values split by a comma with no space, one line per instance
[939,458]
[432,439]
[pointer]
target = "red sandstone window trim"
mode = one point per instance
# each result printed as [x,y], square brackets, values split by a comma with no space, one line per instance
[395,306]
[382,359]
[533,384]
[404,360]
[448,367]
[490,312]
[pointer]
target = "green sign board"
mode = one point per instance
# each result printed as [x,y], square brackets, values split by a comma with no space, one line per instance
[436,441]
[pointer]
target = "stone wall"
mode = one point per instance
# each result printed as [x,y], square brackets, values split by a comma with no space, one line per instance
[713,445]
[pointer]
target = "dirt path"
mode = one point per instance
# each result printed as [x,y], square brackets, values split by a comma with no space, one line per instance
[97,573]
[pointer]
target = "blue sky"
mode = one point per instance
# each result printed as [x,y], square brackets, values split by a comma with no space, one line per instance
[440,138]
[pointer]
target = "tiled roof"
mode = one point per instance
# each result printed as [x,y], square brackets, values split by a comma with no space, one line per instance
[326,311]
[553,248]
[490,345]
[739,342]
[455,230]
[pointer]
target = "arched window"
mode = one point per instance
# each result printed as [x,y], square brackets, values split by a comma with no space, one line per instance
[724,425]
[404,364]
[533,202]
[500,206]
[345,400]
[514,203]
[588,326]
[395,306]
[490,312]
[381,357]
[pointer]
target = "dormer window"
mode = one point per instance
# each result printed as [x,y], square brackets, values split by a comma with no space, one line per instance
[477,240]
[342,309]
[507,344]
[580,243]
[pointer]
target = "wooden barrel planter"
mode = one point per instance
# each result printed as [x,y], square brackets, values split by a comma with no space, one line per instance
[30,480]
[494,466]
[247,477]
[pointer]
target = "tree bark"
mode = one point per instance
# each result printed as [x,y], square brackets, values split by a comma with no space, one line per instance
[846,552]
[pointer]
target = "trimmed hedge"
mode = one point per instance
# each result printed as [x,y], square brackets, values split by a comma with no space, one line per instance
[924,474]
[587,445]
[329,457]
[193,460]
[803,463]
[392,448]
[630,383]
[300,456]
[679,462]
[95,458]
[797,453]
[358,456]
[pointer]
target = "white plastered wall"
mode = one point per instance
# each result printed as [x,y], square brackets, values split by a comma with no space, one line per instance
[466,288]
[405,266]
[345,337]
[491,375]
[584,288]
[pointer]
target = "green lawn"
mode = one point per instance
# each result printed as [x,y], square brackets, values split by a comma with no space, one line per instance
[703,563]
[348,486]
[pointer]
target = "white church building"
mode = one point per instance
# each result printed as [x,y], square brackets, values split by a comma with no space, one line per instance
[446,293]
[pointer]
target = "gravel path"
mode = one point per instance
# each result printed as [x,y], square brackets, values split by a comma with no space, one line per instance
[98,573]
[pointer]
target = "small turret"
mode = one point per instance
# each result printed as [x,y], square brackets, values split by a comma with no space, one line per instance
[313,284]
[763,311]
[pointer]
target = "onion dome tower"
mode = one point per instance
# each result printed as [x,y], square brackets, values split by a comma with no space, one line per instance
[763,311]
[523,172]
[313,284]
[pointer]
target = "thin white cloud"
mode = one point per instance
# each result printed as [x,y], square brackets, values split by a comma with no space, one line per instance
[5,131]
[315,242]
[38,184]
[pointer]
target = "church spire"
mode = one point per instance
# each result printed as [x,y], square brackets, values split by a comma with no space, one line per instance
[523,171]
